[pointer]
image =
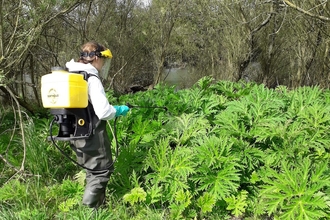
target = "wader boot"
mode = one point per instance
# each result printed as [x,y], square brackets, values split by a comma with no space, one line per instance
[94,195]
[95,153]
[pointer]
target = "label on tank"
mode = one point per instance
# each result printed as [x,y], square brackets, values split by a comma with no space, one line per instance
[52,96]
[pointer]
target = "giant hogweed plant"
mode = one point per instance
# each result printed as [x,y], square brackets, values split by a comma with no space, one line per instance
[217,170]
[176,171]
[173,155]
[252,122]
[142,134]
[257,124]
[145,130]
[202,100]
[232,91]
[309,108]
[302,97]
[222,149]
[296,130]
[268,119]
[251,114]
[297,191]
[182,130]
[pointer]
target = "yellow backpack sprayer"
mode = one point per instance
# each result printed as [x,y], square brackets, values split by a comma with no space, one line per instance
[66,95]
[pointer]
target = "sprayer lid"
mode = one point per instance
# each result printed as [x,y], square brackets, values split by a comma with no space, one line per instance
[57,68]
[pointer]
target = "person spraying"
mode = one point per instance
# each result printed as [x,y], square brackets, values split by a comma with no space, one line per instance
[94,152]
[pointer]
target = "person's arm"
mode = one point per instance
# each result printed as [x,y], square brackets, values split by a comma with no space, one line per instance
[101,105]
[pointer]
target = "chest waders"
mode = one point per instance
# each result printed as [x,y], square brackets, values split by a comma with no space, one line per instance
[66,95]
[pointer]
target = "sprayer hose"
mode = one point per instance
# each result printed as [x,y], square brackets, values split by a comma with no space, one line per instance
[114,133]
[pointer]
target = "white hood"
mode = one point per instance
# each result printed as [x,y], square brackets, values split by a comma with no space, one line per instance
[76,67]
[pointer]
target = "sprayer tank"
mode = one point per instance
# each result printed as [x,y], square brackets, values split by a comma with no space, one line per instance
[61,89]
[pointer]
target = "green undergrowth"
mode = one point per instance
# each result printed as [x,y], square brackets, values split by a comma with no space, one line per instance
[219,150]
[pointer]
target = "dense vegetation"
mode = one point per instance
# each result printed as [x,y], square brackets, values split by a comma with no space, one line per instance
[222,149]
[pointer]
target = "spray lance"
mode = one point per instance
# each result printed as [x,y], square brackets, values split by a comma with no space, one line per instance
[66,95]
[135,106]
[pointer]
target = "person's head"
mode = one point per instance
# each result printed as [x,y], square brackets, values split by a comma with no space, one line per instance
[95,54]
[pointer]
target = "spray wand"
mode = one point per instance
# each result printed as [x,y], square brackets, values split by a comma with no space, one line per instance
[135,106]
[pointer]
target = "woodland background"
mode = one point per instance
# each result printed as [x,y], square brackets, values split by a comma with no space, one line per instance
[274,42]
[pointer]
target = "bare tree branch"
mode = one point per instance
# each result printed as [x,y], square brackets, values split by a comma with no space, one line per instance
[263,24]
[320,17]
[1,30]
[8,163]
[21,127]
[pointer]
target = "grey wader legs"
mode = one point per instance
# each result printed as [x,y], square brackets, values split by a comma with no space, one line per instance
[95,153]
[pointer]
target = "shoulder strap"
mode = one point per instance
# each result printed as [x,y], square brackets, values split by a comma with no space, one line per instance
[87,75]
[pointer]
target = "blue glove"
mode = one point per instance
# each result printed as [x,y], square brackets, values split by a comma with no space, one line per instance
[121,110]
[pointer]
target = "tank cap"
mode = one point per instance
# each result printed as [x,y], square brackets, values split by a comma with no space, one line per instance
[57,68]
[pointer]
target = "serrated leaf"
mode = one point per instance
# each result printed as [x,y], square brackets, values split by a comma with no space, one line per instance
[237,204]
[136,195]
[206,202]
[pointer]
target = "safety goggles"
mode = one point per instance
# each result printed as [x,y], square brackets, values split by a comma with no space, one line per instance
[86,54]
[105,54]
